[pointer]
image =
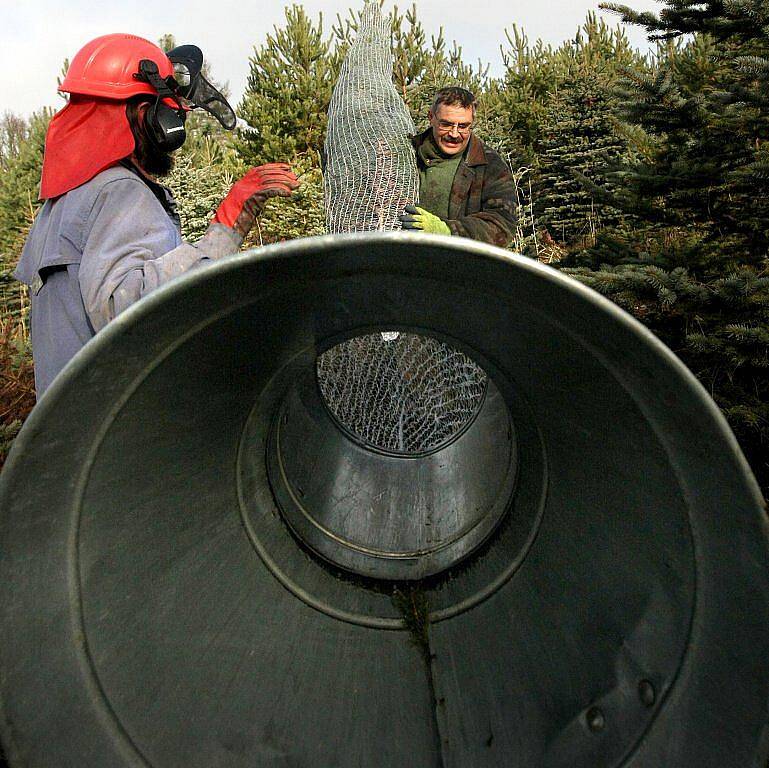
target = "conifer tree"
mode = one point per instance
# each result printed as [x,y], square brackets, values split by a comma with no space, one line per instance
[697,271]
[289,89]
[580,138]
[553,124]
[532,74]
[22,164]
[20,183]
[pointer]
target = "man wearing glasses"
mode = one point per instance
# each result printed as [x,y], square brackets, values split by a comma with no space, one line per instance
[465,188]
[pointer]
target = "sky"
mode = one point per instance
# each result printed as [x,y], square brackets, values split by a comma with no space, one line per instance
[36,37]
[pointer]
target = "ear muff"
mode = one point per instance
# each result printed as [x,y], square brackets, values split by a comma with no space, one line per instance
[164,126]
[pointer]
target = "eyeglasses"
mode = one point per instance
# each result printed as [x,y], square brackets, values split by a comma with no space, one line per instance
[462,128]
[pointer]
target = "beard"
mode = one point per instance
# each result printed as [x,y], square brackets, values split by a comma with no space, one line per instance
[148,156]
[152,160]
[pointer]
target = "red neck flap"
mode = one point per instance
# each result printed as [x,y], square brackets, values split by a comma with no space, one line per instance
[83,139]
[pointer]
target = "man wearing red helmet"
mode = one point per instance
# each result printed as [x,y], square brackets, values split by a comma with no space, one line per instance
[108,233]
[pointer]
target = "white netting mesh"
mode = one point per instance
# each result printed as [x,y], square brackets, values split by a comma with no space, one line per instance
[408,395]
[396,391]
[371,171]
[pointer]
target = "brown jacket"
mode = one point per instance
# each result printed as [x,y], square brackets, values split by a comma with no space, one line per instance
[482,204]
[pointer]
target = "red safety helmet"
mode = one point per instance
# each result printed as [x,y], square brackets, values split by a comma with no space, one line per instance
[92,132]
[105,67]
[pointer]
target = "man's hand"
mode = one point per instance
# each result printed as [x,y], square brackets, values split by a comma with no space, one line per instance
[247,198]
[420,219]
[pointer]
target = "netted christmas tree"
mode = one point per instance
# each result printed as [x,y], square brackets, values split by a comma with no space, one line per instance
[394,391]
[400,392]
[371,171]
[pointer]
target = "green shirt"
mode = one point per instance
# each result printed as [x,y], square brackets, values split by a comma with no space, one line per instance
[436,175]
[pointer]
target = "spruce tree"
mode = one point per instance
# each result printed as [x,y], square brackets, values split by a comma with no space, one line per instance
[579,135]
[697,270]
[580,139]
[553,124]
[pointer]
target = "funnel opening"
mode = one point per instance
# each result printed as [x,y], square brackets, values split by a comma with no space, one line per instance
[402,393]
[392,455]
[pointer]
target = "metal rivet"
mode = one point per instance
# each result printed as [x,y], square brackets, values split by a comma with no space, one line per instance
[595,719]
[646,693]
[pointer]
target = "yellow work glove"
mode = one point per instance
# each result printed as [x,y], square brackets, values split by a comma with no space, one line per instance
[420,219]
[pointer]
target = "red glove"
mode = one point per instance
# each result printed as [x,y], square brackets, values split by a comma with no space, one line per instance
[246,200]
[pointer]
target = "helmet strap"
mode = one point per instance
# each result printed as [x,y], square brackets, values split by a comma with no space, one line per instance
[163,125]
[149,73]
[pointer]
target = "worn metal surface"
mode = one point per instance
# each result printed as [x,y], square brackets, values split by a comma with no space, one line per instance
[158,609]
[384,515]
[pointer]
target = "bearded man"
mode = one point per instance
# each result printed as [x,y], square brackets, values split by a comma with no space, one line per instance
[108,233]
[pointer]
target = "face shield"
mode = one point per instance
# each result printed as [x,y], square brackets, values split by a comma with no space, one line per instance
[193,88]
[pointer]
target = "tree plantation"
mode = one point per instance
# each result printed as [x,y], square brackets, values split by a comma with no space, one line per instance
[645,176]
